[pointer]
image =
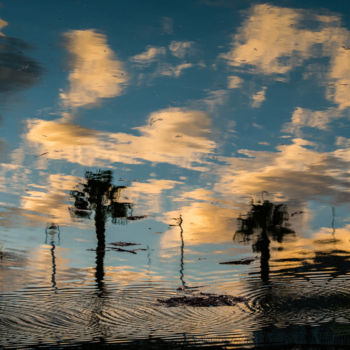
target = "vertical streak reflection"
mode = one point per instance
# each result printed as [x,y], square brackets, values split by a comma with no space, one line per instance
[51,230]
[183,283]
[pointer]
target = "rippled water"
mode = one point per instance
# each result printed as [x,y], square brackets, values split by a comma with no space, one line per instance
[157,150]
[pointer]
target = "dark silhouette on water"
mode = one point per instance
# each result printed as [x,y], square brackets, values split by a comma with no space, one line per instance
[333,222]
[333,262]
[51,230]
[98,194]
[183,283]
[179,222]
[265,220]
[202,300]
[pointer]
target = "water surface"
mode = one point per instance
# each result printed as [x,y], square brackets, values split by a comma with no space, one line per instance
[156,150]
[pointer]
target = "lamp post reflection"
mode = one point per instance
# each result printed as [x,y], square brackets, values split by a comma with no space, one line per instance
[183,283]
[51,230]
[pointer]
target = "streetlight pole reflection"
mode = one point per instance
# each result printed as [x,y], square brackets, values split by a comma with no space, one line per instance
[51,231]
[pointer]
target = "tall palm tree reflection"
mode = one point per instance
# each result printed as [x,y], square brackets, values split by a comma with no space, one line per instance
[264,221]
[99,195]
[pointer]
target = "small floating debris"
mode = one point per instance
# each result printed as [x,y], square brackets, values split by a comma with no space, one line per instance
[297,213]
[117,245]
[244,261]
[123,250]
[136,217]
[203,300]
[188,288]
[123,244]
[42,154]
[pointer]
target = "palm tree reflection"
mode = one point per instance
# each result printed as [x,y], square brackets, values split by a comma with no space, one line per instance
[98,194]
[264,221]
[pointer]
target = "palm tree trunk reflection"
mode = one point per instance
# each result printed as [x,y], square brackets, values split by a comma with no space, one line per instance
[100,221]
[264,248]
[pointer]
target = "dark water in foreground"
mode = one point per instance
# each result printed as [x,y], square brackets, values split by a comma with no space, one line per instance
[174,174]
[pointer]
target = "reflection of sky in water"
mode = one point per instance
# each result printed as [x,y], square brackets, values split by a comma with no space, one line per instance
[196,107]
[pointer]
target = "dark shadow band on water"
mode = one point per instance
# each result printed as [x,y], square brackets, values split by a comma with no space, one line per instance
[330,336]
[156,343]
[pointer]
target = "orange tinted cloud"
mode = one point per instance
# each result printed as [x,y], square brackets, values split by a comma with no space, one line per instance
[96,73]
[2,25]
[147,196]
[50,202]
[151,54]
[274,40]
[175,135]
[295,171]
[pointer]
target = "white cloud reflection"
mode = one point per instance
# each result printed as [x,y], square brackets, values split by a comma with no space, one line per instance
[274,40]
[150,55]
[148,195]
[2,25]
[339,75]
[303,117]
[234,82]
[258,98]
[174,71]
[49,202]
[181,48]
[271,42]
[175,136]
[295,172]
[96,73]
[203,223]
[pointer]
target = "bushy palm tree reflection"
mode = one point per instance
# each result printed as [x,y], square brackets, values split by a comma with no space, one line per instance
[98,194]
[264,221]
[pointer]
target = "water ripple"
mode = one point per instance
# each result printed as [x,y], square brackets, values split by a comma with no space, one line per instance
[125,312]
